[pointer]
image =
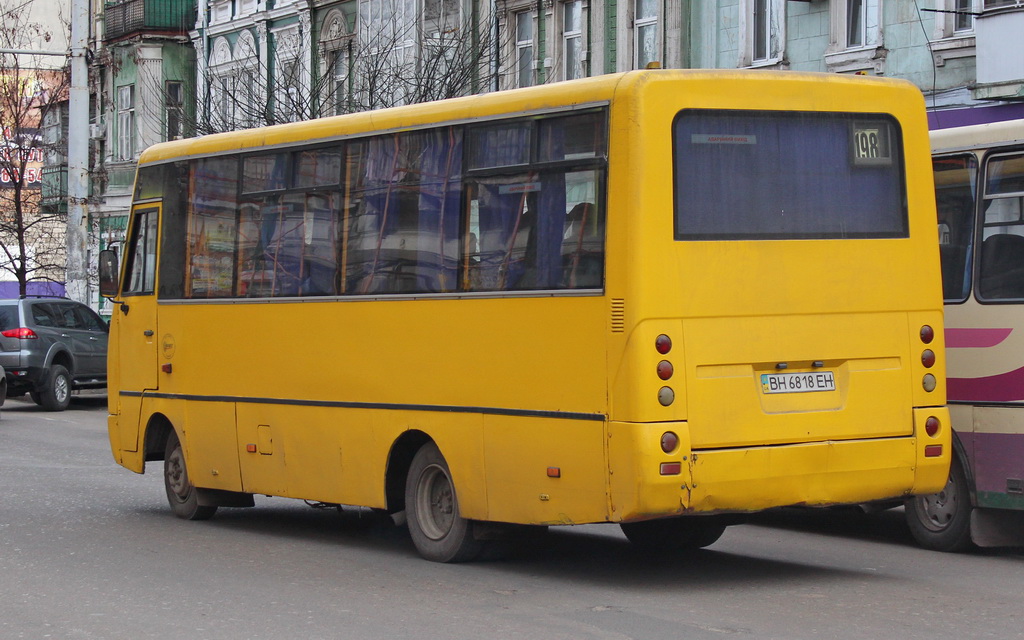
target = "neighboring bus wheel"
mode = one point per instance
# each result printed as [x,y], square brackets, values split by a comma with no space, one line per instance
[57,394]
[673,534]
[942,521]
[432,510]
[181,494]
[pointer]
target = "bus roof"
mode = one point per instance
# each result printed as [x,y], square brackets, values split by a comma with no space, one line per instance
[990,134]
[532,100]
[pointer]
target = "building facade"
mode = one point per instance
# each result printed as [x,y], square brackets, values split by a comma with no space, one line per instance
[170,68]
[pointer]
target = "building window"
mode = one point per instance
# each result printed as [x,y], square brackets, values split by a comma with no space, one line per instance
[174,102]
[224,113]
[953,35]
[524,49]
[762,32]
[340,65]
[645,33]
[855,30]
[572,39]
[855,34]
[964,17]
[126,122]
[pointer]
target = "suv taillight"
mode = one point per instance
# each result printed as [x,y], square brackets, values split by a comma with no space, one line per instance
[22,333]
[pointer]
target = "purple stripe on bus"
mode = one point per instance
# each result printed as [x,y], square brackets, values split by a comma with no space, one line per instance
[997,456]
[1003,387]
[966,338]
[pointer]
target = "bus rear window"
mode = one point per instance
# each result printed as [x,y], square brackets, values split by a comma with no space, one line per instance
[787,175]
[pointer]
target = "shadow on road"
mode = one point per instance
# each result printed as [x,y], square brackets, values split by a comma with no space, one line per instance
[82,401]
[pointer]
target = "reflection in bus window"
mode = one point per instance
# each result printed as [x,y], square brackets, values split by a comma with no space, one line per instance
[394,214]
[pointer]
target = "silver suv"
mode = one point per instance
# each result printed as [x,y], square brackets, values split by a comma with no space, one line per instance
[50,346]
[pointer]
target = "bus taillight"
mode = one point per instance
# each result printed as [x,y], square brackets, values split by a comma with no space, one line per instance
[669,442]
[663,344]
[665,370]
[931,426]
[928,358]
[927,334]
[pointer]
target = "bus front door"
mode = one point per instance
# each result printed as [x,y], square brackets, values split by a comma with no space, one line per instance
[137,338]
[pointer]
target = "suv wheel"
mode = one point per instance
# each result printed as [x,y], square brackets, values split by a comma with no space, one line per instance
[57,395]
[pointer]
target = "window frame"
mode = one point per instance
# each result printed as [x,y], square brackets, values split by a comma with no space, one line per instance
[640,23]
[126,122]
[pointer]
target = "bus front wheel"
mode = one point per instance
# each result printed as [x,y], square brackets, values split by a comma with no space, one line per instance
[432,510]
[181,493]
[673,534]
[942,521]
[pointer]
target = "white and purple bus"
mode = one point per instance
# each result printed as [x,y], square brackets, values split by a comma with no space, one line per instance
[979,185]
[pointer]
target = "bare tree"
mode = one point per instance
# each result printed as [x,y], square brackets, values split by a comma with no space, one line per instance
[32,238]
[384,65]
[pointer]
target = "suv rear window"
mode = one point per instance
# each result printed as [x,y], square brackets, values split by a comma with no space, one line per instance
[9,316]
[787,175]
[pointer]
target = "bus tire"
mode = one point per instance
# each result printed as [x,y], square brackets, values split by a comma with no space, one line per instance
[181,493]
[673,534]
[432,510]
[942,521]
[56,396]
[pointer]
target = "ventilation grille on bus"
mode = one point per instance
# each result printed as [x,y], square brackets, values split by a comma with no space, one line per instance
[618,315]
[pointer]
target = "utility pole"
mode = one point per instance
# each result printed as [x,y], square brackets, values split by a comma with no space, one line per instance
[77,285]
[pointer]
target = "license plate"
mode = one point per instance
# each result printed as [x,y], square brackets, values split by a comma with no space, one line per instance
[798,382]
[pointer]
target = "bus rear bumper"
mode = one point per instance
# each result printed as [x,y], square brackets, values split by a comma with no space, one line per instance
[750,479]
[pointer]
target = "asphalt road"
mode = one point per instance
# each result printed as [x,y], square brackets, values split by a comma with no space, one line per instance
[90,550]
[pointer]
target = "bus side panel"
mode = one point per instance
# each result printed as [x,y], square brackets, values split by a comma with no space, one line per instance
[545,471]
[212,447]
[457,435]
[638,489]
[998,440]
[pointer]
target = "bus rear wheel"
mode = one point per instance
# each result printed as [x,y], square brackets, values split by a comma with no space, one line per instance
[673,534]
[942,521]
[437,529]
[181,493]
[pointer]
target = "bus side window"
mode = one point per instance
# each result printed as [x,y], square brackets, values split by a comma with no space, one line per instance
[1001,273]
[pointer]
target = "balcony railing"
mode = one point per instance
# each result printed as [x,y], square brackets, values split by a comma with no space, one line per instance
[126,17]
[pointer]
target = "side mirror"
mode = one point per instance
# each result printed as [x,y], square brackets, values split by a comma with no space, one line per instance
[108,273]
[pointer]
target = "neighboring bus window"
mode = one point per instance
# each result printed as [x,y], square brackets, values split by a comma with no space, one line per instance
[955,184]
[787,175]
[141,265]
[212,228]
[1001,271]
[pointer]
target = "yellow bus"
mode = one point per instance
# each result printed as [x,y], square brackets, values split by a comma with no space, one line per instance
[979,184]
[656,299]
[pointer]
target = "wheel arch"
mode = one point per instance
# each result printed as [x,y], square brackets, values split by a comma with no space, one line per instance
[62,357]
[399,460]
[158,431]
